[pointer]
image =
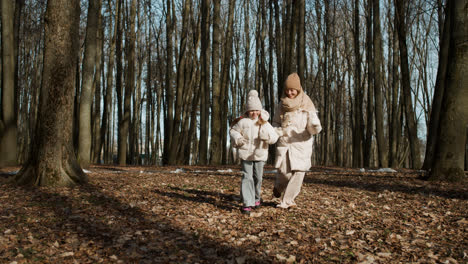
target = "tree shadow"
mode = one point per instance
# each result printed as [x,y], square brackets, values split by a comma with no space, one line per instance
[219,200]
[128,232]
[399,182]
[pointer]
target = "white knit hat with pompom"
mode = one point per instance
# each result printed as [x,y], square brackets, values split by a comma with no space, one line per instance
[253,102]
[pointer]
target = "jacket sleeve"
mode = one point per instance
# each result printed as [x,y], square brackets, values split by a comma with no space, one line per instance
[268,134]
[276,122]
[313,123]
[236,136]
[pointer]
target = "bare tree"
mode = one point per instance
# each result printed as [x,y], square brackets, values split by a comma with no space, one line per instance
[204,82]
[216,131]
[411,125]
[439,91]
[450,144]
[358,94]
[129,82]
[378,59]
[52,161]
[86,96]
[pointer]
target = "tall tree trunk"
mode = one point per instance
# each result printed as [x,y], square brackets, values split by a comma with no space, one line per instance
[395,121]
[439,92]
[225,76]
[358,120]
[86,96]
[301,49]
[181,90]
[378,64]
[169,120]
[97,93]
[279,50]
[108,93]
[216,129]
[411,124]
[367,154]
[8,127]
[450,145]
[52,161]
[205,86]
[129,82]
[122,141]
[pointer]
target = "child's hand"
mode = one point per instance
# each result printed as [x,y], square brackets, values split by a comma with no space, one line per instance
[241,141]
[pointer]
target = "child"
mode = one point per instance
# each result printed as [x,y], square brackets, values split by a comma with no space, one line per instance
[251,134]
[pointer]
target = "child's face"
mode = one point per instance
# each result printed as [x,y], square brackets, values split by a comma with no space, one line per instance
[291,93]
[253,114]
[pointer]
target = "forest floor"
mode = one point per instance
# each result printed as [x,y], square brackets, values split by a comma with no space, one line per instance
[191,214]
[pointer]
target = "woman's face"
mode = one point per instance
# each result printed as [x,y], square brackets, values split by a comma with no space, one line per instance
[291,93]
[253,114]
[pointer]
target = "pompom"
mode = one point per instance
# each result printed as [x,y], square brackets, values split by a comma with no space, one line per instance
[253,93]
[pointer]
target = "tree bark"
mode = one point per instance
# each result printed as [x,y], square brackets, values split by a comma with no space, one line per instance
[301,49]
[450,145]
[169,120]
[216,129]
[97,93]
[205,84]
[122,141]
[8,127]
[358,120]
[52,161]
[411,124]
[378,63]
[86,96]
[129,83]
[439,91]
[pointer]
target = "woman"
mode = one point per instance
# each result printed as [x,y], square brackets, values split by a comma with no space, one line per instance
[296,122]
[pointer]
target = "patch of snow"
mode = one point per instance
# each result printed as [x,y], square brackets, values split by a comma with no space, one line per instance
[178,171]
[384,170]
[12,173]
[362,170]
[228,170]
[86,171]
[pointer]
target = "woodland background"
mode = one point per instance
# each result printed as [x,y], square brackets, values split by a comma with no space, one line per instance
[158,82]
[135,84]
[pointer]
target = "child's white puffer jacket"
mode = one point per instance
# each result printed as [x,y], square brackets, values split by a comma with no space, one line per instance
[252,140]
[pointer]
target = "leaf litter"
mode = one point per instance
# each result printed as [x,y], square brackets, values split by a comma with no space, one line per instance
[190,214]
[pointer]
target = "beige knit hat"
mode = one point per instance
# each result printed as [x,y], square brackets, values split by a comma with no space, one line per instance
[253,102]
[293,82]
